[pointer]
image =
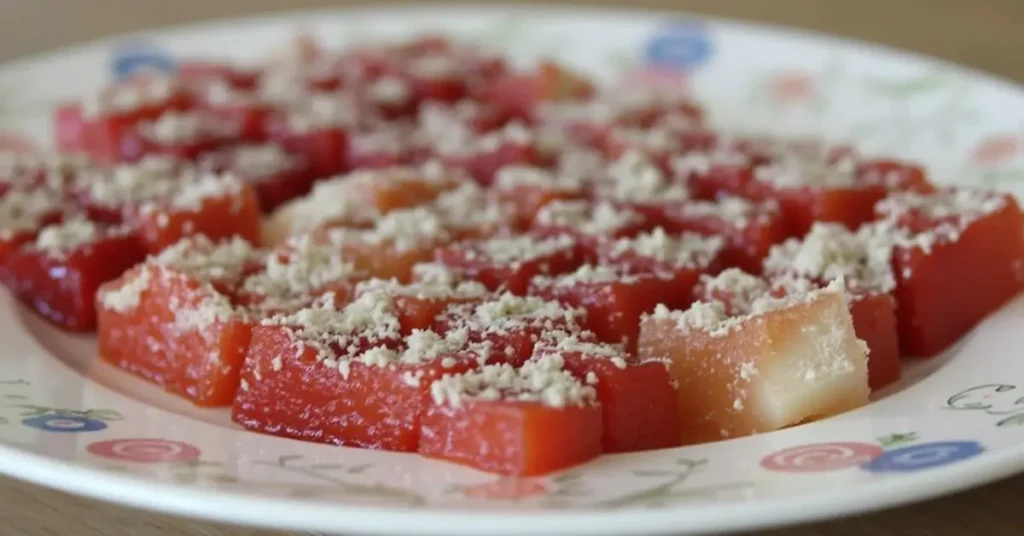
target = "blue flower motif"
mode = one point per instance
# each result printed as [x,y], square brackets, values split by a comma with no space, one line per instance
[680,46]
[923,456]
[133,57]
[64,423]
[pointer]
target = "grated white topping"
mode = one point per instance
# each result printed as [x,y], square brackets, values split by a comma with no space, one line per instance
[205,260]
[830,251]
[23,211]
[594,219]
[59,239]
[542,381]
[743,289]
[682,250]
[299,268]
[635,178]
[514,251]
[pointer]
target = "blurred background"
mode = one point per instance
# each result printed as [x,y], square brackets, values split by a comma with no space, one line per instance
[984,34]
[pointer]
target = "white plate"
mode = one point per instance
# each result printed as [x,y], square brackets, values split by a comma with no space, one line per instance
[71,422]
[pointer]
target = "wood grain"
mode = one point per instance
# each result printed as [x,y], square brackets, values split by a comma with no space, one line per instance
[981,33]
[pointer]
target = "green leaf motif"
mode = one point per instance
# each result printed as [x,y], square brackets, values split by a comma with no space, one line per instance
[904,88]
[1013,420]
[893,440]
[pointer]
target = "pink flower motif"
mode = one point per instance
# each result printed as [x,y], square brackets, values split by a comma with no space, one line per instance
[648,77]
[997,149]
[10,141]
[792,87]
[145,450]
[506,489]
[821,457]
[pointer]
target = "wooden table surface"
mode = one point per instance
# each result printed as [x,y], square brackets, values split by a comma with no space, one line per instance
[981,33]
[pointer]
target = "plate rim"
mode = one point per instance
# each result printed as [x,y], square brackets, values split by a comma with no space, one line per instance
[697,518]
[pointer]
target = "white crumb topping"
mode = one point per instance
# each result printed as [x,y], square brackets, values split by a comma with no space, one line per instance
[792,172]
[59,239]
[468,207]
[682,250]
[435,273]
[372,314]
[579,164]
[965,204]
[407,229]
[434,66]
[830,251]
[509,313]
[324,110]
[589,273]
[389,90]
[424,346]
[333,200]
[174,128]
[562,342]
[125,298]
[715,318]
[743,289]
[425,289]
[514,133]
[515,250]
[703,162]
[512,177]
[542,381]
[734,210]
[385,139]
[595,219]
[24,210]
[130,96]
[634,177]
[133,183]
[261,160]
[301,267]
[192,194]
[205,260]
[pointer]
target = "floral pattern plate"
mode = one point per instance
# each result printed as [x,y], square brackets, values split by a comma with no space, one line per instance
[71,422]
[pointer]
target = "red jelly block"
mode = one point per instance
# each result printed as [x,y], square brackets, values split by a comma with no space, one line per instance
[277,175]
[613,299]
[522,432]
[680,259]
[638,399]
[529,189]
[508,327]
[958,256]
[749,228]
[471,213]
[874,322]
[172,322]
[361,389]
[830,251]
[895,175]
[811,192]
[589,223]
[320,138]
[508,263]
[59,272]
[111,118]
[22,214]
[215,206]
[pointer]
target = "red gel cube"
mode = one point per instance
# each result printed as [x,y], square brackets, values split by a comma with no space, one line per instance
[613,299]
[510,263]
[277,175]
[638,399]
[353,392]
[749,228]
[959,256]
[59,272]
[171,320]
